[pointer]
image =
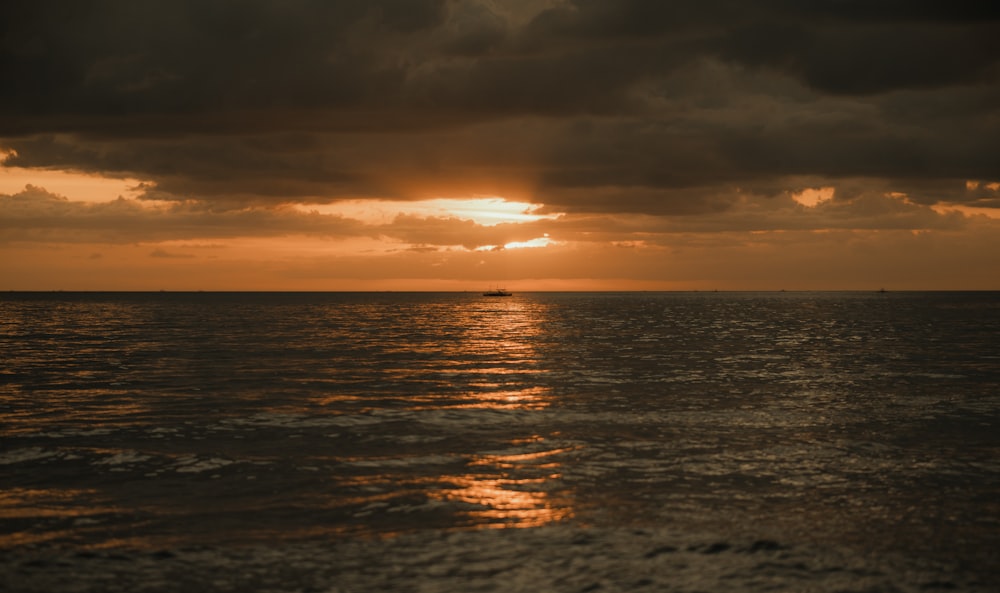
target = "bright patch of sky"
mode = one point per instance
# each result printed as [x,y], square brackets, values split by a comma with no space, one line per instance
[483,210]
[77,187]
[813,196]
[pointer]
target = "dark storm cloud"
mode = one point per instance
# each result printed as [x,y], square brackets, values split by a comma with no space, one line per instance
[88,59]
[599,105]
[837,46]
[270,166]
[117,58]
[859,58]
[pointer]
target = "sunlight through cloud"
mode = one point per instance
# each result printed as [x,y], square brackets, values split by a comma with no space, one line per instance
[483,210]
[486,211]
[813,196]
[538,242]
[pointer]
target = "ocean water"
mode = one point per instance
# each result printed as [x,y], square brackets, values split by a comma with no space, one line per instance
[543,442]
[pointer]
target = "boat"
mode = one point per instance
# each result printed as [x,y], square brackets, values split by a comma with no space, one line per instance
[498,292]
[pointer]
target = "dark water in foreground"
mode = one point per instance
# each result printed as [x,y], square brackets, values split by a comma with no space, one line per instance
[548,441]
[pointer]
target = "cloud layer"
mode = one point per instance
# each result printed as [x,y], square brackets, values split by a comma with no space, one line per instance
[634,119]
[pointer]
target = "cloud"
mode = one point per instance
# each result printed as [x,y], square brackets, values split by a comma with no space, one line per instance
[37,215]
[451,232]
[234,111]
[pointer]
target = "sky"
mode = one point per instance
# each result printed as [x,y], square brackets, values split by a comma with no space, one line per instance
[530,144]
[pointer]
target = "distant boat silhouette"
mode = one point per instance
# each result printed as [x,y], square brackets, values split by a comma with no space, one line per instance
[499,292]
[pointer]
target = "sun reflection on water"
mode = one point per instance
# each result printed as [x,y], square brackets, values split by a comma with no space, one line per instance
[507,502]
[494,362]
[491,397]
[442,367]
[501,334]
[520,491]
[474,353]
[495,490]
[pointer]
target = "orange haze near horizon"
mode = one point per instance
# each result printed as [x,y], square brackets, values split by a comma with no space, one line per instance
[480,242]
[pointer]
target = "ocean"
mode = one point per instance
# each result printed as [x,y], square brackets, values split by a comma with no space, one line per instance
[699,441]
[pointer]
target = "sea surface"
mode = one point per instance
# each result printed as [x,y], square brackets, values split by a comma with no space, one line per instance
[786,441]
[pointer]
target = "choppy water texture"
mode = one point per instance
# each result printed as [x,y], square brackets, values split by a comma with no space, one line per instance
[543,442]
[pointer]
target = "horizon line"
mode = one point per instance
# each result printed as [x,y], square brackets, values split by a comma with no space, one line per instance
[474,291]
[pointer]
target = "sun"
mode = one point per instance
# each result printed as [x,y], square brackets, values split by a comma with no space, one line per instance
[488,211]
[482,210]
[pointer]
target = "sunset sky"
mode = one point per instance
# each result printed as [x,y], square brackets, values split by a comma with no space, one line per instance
[537,145]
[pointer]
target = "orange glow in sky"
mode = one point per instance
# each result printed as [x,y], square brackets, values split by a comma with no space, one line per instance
[811,197]
[449,244]
[484,211]
[76,186]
